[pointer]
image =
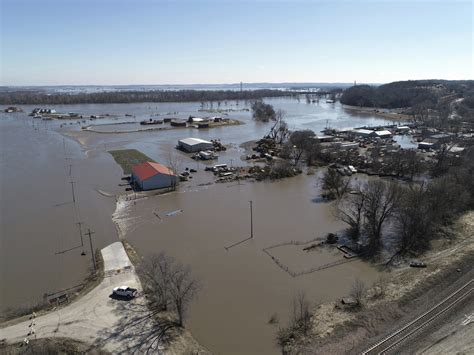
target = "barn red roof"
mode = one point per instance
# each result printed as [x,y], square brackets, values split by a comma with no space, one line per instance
[148,169]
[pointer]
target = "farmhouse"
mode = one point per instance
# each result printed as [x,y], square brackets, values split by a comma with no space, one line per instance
[150,176]
[192,145]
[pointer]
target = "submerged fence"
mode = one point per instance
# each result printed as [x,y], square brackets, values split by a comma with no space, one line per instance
[293,273]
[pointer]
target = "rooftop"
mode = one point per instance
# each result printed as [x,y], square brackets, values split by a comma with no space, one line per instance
[383,133]
[193,141]
[149,169]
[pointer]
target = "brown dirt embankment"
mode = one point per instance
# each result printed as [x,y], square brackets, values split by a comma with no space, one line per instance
[407,292]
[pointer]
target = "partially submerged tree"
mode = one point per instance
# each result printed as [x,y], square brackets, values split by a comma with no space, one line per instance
[380,201]
[358,291]
[279,132]
[350,210]
[334,184]
[300,141]
[300,321]
[263,112]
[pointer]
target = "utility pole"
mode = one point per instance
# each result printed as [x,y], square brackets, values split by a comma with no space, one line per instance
[82,239]
[251,219]
[89,233]
[70,169]
[73,195]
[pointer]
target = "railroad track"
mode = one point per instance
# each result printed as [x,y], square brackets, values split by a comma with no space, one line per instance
[394,339]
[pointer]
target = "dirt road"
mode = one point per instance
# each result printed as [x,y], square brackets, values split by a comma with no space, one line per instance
[96,318]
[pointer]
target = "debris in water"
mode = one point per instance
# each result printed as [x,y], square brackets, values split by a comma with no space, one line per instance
[174,213]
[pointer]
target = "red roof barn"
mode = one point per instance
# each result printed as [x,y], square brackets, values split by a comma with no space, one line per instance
[150,176]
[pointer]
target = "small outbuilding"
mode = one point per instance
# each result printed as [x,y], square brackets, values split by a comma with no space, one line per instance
[192,145]
[383,134]
[151,176]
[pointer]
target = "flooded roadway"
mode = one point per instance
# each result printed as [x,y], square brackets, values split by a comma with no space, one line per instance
[243,287]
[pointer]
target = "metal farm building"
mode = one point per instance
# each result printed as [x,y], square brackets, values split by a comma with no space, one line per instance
[192,145]
[150,176]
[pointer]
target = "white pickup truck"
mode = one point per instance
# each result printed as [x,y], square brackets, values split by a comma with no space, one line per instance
[125,291]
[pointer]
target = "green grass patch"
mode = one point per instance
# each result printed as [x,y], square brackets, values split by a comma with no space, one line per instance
[127,158]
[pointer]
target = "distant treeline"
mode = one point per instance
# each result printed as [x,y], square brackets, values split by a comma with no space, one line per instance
[22,97]
[405,93]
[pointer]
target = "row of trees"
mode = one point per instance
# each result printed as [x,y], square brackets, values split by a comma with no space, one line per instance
[19,97]
[404,93]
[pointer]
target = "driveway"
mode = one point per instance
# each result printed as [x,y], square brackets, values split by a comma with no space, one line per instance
[118,326]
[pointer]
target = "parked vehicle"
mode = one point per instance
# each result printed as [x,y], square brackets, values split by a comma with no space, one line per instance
[417,263]
[125,291]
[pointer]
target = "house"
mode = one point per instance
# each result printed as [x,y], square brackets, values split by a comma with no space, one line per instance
[150,176]
[192,145]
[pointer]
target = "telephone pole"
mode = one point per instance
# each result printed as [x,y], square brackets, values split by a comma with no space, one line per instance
[251,219]
[82,239]
[73,195]
[89,233]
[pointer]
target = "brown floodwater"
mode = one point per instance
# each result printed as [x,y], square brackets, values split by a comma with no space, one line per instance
[242,286]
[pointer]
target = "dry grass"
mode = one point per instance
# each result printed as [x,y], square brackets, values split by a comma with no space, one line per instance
[51,346]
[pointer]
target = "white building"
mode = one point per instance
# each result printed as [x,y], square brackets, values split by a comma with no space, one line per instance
[363,132]
[192,145]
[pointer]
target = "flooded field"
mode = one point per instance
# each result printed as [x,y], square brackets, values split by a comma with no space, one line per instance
[243,286]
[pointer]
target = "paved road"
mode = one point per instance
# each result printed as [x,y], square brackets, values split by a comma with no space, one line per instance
[97,318]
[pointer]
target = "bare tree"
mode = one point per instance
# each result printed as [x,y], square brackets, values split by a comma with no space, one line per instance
[301,317]
[263,112]
[334,184]
[300,142]
[414,221]
[350,210]
[279,131]
[300,321]
[380,286]
[155,272]
[183,289]
[358,291]
[174,164]
[380,202]
[168,284]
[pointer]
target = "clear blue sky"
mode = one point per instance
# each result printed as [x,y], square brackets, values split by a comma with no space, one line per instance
[48,42]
